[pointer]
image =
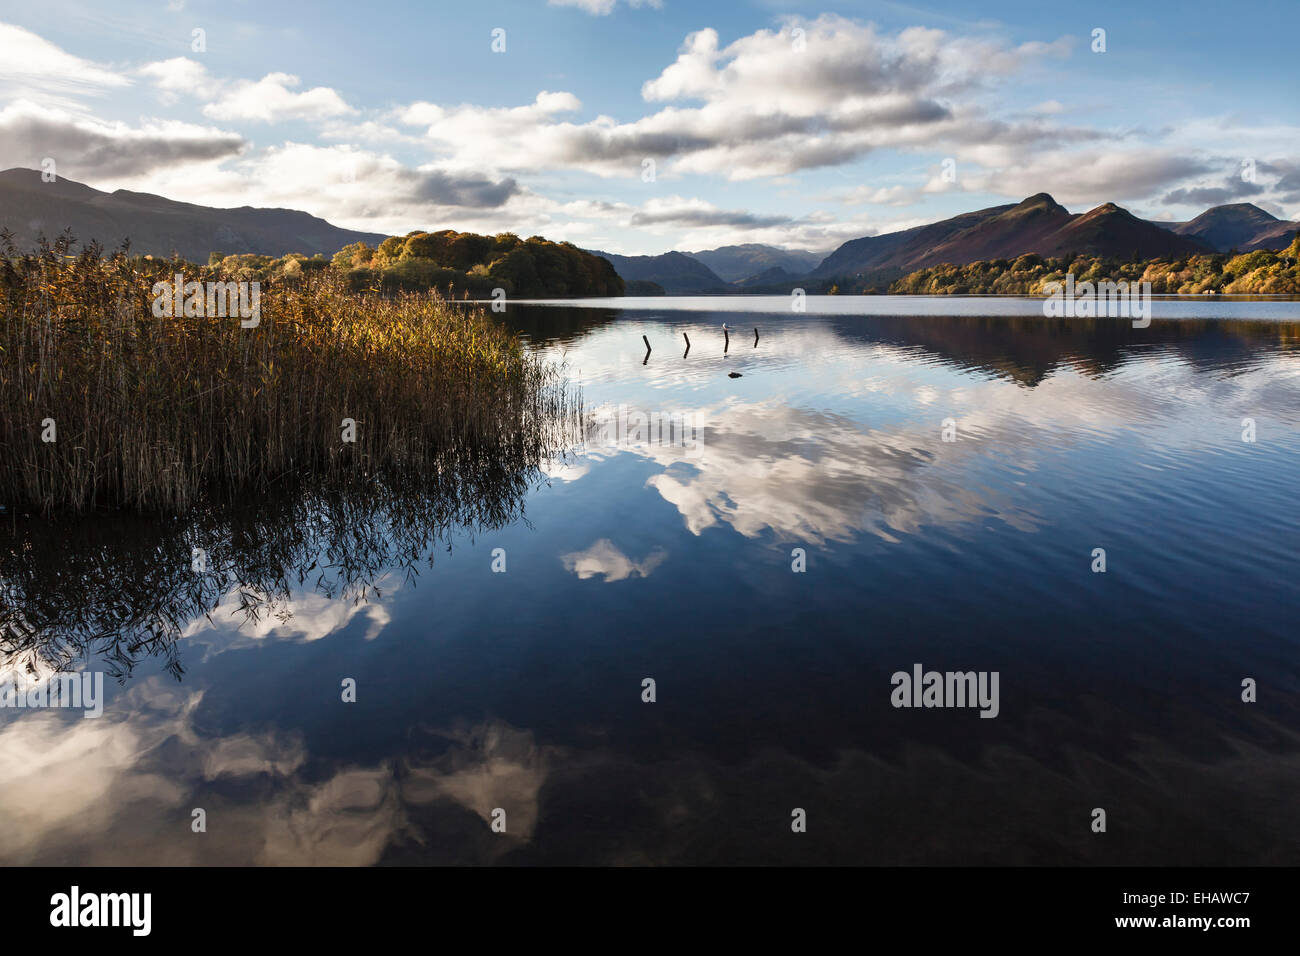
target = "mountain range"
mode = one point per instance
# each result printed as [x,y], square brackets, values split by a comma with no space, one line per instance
[1041,225]
[673,272]
[1037,224]
[30,207]
[720,270]
[737,263]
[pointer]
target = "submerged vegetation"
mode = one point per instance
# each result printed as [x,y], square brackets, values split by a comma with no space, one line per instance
[1260,272]
[105,405]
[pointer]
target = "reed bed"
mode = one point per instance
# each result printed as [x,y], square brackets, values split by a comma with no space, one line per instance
[160,414]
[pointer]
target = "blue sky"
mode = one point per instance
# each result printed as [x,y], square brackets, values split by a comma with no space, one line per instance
[798,124]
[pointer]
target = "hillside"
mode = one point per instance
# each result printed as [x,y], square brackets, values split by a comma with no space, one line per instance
[1112,232]
[1037,225]
[1008,233]
[747,261]
[159,226]
[773,278]
[898,252]
[1242,226]
[676,272]
[1260,272]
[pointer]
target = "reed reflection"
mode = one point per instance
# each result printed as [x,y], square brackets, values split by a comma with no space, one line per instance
[117,589]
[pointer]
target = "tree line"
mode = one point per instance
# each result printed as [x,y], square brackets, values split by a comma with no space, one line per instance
[1263,271]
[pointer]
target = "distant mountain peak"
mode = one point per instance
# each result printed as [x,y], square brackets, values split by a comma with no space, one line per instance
[746,261]
[1039,199]
[1244,208]
[1240,225]
[675,272]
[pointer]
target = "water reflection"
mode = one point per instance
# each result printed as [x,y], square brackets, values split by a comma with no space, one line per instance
[116,589]
[841,435]
[521,690]
[1023,348]
[136,776]
[139,773]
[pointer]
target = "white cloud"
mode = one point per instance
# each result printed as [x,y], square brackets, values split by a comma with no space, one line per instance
[351,187]
[113,791]
[768,107]
[86,147]
[180,75]
[271,100]
[605,559]
[882,195]
[1088,177]
[597,8]
[603,8]
[770,104]
[31,66]
[307,617]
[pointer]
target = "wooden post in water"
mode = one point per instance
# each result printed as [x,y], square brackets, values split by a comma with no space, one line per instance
[688,345]
[726,341]
[755,337]
[647,350]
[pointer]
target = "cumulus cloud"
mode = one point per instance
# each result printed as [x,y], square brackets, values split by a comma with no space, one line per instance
[272,99]
[1089,176]
[352,187]
[1288,182]
[811,94]
[92,148]
[1232,190]
[1245,181]
[449,189]
[180,75]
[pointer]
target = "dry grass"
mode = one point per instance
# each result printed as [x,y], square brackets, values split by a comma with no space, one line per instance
[160,414]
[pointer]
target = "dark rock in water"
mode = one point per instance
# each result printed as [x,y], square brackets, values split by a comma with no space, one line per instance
[733,375]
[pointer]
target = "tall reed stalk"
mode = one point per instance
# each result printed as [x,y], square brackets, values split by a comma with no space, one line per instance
[157,414]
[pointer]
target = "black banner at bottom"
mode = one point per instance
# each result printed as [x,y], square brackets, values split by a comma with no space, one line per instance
[334,905]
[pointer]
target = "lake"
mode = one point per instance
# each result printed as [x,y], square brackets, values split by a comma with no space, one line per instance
[1103,517]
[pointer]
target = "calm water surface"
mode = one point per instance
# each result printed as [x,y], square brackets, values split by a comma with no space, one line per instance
[626,560]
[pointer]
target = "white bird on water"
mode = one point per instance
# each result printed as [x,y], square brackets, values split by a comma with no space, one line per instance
[725,327]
